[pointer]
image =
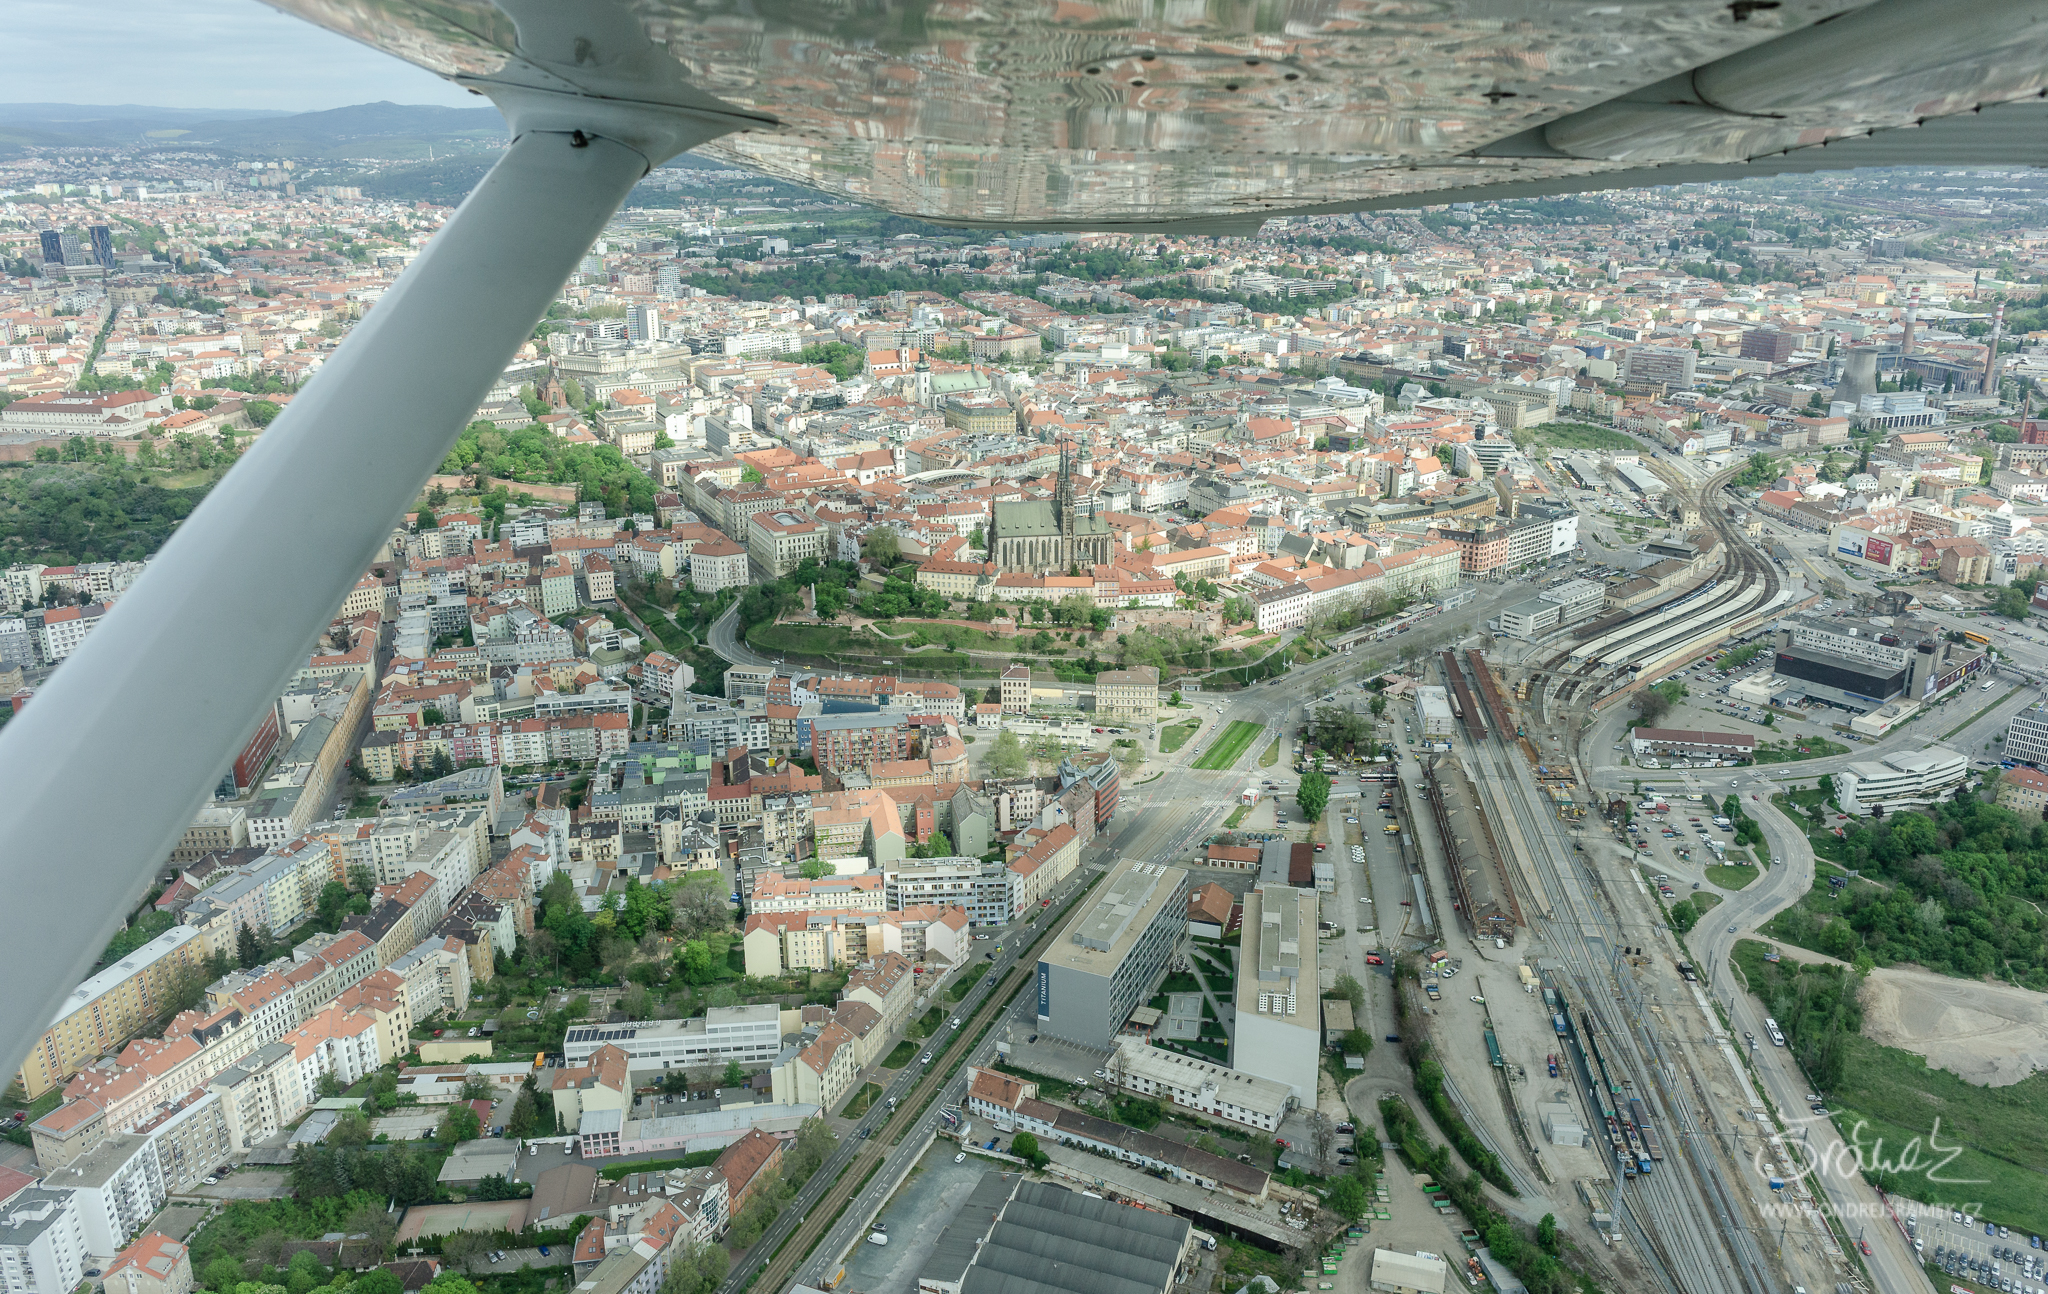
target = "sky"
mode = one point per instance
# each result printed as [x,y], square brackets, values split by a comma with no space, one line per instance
[200,54]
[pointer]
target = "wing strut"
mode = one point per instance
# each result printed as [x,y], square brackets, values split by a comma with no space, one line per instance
[101,774]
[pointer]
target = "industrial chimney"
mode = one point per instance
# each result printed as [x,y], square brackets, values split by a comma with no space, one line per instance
[1991,359]
[1912,317]
[1859,375]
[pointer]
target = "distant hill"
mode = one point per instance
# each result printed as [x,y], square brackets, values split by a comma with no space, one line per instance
[75,113]
[388,130]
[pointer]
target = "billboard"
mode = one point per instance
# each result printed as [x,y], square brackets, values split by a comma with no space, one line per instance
[1852,548]
[1877,550]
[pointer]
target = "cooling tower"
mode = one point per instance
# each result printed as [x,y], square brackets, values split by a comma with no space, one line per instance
[1859,375]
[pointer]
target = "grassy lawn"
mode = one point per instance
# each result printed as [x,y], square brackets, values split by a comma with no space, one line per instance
[1577,435]
[863,1100]
[1732,877]
[1236,816]
[1174,737]
[1893,1095]
[923,1026]
[1815,748]
[1272,755]
[903,1054]
[1705,902]
[831,640]
[1801,924]
[960,990]
[1233,743]
[700,1159]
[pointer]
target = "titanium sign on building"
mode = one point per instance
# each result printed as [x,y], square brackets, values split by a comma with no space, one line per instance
[1104,963]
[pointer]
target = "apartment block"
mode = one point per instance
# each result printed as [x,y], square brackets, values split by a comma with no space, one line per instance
[108,1008]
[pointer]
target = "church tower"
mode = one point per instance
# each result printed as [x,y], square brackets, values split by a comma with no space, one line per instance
[1063,503]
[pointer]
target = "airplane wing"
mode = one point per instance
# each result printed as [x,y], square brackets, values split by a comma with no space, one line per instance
[1101,115]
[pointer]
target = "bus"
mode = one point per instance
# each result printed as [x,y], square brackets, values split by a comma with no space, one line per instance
[540,1059]
[1971,635]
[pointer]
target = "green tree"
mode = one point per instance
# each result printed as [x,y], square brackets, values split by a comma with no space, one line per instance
[1025,1147]
[881,547]
[1313,795]
[696,1269]
[734,1076]
[458,1124]
[248,948]
[1006,757]
[814,868]
[1347,1196]
[1546,1233]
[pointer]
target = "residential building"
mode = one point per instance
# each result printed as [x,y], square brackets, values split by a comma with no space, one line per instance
[821,1071]
[2024,790]
[42,1242]
[747,1165]
[117,1188]
[154,1264]
[104,1011]
[718,564]
[1108,957]
[1127,696]
[779,942]
[780,539]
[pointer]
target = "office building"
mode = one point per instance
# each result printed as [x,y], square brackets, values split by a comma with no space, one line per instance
[1908,779]
[751,1035]
[1670,367]
[1104,962]
[2026,738]
[1769,345]
[1279,1019]
[1210,1090]
[1860,665]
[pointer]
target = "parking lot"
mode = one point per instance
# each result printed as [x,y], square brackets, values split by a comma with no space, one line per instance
[1956,1241]
[912,1220]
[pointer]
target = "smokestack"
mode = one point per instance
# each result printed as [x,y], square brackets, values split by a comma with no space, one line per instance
[1912,317]
[1991,360]
[1859,375]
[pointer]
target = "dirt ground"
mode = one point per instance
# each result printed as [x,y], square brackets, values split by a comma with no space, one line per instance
[1993,1035]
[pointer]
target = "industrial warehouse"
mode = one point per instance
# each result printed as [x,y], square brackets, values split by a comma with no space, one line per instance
[1015,1236]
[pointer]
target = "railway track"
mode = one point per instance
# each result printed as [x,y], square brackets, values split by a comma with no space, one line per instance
[818,1207]
[1752,579]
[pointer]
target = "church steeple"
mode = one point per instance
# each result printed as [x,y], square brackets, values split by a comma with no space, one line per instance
[1063,494]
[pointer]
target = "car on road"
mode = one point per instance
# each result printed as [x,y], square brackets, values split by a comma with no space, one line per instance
[1731,929]
[927,1059]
